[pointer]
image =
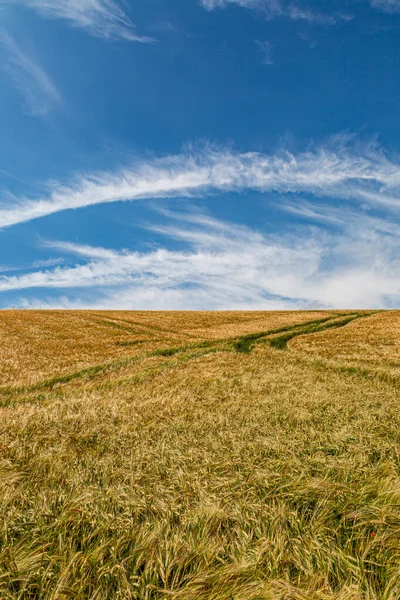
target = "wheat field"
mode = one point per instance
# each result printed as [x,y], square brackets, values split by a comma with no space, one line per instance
[200,456]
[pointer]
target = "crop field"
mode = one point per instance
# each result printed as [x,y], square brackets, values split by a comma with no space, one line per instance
[200,456]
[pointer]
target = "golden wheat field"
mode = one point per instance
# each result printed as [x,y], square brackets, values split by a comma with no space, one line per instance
[200,456]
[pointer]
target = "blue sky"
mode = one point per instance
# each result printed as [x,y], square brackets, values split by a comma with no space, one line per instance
[199,154]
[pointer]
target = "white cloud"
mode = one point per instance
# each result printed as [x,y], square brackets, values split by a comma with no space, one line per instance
[277,8]
[273,5]
[39,92]
[336,172]
[100,18]
[390,6]
[226,266]
[266,50]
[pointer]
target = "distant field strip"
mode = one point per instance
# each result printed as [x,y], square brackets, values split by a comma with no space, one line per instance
[277,338]
[136,327]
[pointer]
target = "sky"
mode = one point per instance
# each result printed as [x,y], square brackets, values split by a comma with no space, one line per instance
[199,154]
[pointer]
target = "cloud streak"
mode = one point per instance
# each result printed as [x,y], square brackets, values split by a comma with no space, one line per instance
[224,265]
[368,176]
[39,92]
[275,9]
[389,6]
[100,18]
[265,48]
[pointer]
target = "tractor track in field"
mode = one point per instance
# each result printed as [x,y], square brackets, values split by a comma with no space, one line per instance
[277,338]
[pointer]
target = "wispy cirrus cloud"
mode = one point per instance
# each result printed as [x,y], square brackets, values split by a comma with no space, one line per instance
[224,265]
[265,48]
[278,8]
[101,18]
[389,6]
[38,90]
[365,175]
